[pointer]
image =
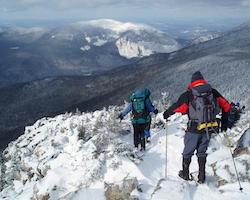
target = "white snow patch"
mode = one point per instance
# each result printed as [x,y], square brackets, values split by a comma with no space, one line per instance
[130,49]
[85,48]
[99,42]
[88,39]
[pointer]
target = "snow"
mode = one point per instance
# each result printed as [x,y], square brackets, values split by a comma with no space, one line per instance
[246,139]
[71,156]
[116,26]
[131,39]
[88,39]
[85,48]
[130,49]
[99,42]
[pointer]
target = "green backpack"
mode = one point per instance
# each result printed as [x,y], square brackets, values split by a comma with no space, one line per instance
[139,110]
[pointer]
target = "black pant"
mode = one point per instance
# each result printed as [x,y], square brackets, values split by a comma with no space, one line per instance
[139,136]
[147,128]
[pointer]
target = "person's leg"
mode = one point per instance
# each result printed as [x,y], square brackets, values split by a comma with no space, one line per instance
[202,170]
[224,121]
[147,132]
[190,144]
[136,135]
[142,136]
[184,173]
[202,157]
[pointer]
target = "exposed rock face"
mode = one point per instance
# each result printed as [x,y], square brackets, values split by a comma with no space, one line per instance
[122,190]
[243,146]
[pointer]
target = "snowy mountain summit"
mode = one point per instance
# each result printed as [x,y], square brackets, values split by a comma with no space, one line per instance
[132,40]
[113,25]
[90,156]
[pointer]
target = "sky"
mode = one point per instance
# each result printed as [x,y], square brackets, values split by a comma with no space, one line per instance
[127,10]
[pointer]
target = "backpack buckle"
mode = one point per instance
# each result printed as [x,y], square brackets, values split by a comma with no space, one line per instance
[202,126]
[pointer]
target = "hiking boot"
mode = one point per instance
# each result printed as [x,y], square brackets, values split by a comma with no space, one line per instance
[202,173]
[184,173]
[142,149]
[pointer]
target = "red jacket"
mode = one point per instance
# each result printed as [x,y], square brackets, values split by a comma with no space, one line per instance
[182,105]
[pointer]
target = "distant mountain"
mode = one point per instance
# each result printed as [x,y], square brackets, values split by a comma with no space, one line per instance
[81,48]
[135,40]
[205,37]
[196,35]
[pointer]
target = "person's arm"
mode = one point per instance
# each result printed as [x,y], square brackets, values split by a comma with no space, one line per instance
[126,110]
[225,106]
[181,106]
[150,106]
[223,103]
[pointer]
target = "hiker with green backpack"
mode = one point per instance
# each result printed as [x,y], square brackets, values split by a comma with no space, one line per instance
[141,106]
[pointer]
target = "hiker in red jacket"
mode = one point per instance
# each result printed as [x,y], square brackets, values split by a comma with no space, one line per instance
[201,103]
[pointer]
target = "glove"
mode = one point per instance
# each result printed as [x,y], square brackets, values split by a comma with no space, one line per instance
[156,111]
[120,117]
[166,115]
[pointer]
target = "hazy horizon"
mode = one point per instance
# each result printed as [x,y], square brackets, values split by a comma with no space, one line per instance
[226,13]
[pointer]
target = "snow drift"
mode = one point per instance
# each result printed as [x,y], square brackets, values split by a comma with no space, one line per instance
[77,156]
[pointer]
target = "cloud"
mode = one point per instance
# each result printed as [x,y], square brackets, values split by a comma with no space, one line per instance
[245,3]
[122,9]
[58,4]
[76,4]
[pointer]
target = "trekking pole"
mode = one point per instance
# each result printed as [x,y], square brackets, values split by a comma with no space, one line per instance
[236,171]
[235,168]
[166,155]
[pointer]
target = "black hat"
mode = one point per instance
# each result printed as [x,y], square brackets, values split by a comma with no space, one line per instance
[197,76]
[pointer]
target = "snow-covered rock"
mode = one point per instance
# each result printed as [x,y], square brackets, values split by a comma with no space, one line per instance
[243,146]
[121,190]
[87,155]
[59,156]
